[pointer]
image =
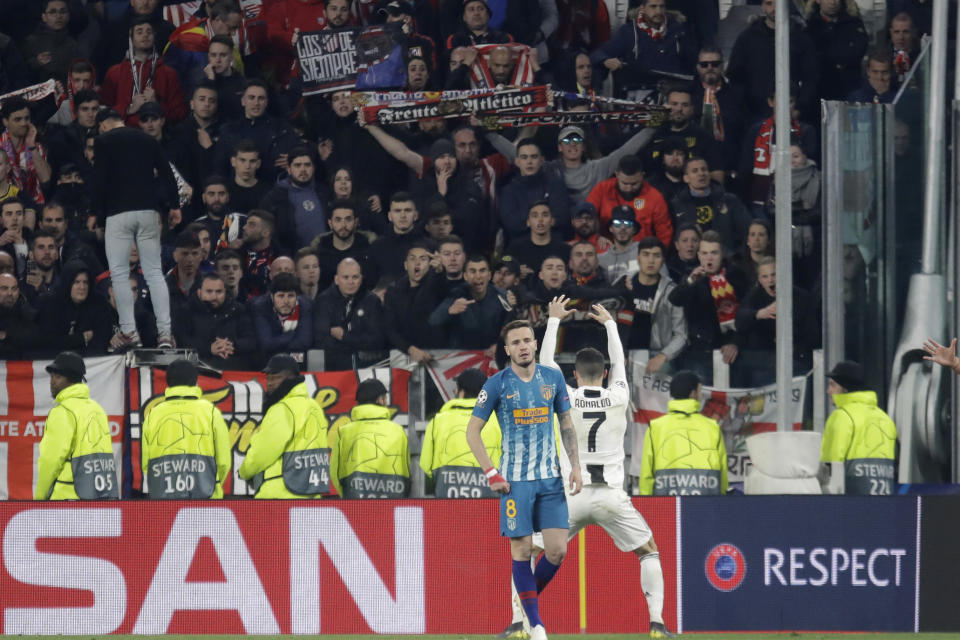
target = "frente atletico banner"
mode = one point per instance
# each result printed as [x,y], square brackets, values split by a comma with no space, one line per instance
[306,567]
[397,107]
[341,59]
[240,397]
[25,401]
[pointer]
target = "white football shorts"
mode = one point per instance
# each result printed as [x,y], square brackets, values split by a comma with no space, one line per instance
[611,509]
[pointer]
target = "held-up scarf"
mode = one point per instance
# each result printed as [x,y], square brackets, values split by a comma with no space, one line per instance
[712,120]
[724,299]
[901,62]
[654,33]
[22,172]
[763,146]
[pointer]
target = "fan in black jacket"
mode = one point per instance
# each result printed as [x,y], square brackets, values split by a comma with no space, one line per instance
[74,316]
[219,329]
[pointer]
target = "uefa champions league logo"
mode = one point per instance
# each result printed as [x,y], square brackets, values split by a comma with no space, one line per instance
[725,567]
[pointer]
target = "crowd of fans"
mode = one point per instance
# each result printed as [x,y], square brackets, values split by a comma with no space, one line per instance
[296,227]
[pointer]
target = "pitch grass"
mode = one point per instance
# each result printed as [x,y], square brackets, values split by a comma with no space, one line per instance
[784,635]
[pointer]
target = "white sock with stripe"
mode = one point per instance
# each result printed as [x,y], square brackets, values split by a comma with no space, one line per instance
[651,581]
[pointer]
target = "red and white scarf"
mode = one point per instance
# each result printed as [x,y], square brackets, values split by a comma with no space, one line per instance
[657,33]
[480,76]
[764,144]
[724,299]
[714,120]
[290,322]
[22,171]
[901,62]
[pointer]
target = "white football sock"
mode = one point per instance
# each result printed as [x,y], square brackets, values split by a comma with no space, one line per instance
[651,581]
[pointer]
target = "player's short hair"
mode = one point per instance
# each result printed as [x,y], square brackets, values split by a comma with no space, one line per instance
[223,39]
[284,282]
[222,9]
[11,200]
[687,227]
[256,82]
[181,373]
[265,216]
[691,159]
[529,142]
[683,384]
[215,179]
[245,146]
[85,95]
[650,242]
[471,381]
[369,391]
[478,257]
[342,203]
[514,324]
[12,105]
[301,152]
[711,236]
[212,275]
[80,66]
[41,233]
[589,363]
[539,203]
[630,165]
[765,260]
[423,243]
[227,254]
[302,253]
[403,196]
[451,239]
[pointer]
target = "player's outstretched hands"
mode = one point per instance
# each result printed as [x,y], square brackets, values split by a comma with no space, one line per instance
[600,313]
[576,482]
[558,307]
[940,354]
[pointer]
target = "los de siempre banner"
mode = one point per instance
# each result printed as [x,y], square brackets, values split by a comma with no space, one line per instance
[355,57]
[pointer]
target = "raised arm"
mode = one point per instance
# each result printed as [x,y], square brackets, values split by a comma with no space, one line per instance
[944,356]
[397,149]
[558,312]
[618,369]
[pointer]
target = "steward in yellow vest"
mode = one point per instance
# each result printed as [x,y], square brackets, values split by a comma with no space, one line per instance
[446,456]
[76,453]
[371,456]
[185,445]
[288,455]
[858,434]
[683,451]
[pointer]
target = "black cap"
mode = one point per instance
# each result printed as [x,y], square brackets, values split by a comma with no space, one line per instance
[683,384]
[150,110]
[181,372]
[585,209]
[509,262]
[397,7]
[369,390]
[441,147]
[848,374]
[70,365]
[282,362]
[471,382]
[108,114]
[671,144]
[623,212]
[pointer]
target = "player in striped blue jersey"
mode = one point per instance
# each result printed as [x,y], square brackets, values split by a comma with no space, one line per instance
[525,396]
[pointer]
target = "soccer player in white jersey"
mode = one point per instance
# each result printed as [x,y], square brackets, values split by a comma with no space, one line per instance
[600,419]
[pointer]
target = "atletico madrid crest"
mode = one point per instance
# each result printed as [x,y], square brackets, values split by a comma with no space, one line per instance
[547,392]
